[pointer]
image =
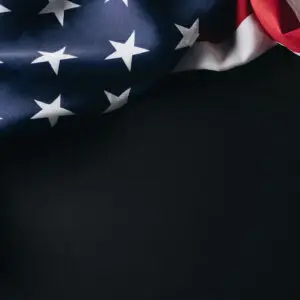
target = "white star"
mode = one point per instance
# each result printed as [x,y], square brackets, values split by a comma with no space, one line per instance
[51,111]
[116,102]
[126,50]
[3,9]
[190,35]
[58,7]
[53,58]
[125,2]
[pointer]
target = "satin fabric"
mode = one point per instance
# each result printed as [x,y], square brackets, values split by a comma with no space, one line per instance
[88,30]
[280,20]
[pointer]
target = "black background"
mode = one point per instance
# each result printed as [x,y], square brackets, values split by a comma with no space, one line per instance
[190,193]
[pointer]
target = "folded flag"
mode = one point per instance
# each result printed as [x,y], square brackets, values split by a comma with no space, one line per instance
[62,58]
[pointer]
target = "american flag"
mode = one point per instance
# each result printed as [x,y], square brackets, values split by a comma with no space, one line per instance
[62,58]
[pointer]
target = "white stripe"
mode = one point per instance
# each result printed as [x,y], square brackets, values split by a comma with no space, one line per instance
[248,42]
[295,5]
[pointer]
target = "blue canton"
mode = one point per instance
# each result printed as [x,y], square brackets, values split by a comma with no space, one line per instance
[63,58]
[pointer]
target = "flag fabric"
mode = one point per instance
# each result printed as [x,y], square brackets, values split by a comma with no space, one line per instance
[260,25]
[61,58]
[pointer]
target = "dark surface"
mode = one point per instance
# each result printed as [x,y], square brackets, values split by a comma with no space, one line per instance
[191,193]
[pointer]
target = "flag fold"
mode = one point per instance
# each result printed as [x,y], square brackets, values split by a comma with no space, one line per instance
[62,58]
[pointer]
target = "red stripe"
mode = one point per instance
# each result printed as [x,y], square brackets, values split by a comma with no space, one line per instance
[244,9]
[279,21]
